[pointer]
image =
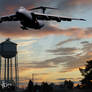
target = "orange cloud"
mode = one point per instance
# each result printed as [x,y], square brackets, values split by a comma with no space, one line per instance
[13,30]
[80,2]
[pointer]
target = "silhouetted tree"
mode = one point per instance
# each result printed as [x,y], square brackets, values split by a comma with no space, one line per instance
[68,84]
[0,88]
[30,86]
[65,83]
[45,87]
[87,73]
[37,88]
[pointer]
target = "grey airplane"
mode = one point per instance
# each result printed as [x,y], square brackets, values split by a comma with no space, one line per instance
[30,19]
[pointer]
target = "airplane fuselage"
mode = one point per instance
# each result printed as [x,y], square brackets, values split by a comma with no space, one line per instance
[27,19]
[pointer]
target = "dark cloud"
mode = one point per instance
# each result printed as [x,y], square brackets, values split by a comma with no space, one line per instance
[65,41]
[84,42]
[70,6]
[63,51]
[69,78]
[66,6]
[61,79]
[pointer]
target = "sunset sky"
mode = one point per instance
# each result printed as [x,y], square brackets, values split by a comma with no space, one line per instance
[55,52]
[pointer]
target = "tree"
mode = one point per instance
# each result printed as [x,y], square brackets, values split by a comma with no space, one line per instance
[87,73]
[68,84]
[45,87]
[30,86]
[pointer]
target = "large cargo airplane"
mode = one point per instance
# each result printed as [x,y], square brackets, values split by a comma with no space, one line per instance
[30,19]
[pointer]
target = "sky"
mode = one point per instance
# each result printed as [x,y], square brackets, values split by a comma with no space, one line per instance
[55,52]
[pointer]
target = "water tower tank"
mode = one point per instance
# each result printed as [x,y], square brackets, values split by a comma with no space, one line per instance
[8,49]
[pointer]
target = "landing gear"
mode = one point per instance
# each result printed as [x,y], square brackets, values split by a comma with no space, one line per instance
[23,25]
[0,21]
[24,28]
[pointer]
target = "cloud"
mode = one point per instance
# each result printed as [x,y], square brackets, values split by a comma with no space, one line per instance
[54,62]
[63,3]
[65,41]
[13,30]
[76,60]
[38,65]
[63,51]
[26,43]
[70,6]
[66,57]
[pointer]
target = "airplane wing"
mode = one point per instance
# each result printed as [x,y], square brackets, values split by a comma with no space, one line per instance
[54,17]
[8,18]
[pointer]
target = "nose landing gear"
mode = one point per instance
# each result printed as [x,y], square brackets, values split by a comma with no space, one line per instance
[24,28]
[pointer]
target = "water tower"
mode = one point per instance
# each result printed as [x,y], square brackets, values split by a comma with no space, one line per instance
[9,67]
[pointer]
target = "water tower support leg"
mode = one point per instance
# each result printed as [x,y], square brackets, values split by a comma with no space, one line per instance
[16,70]
[5,71]
[8,69]
[0,68]
[11,69]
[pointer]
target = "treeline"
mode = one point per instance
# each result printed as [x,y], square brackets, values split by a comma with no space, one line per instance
[46,87]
